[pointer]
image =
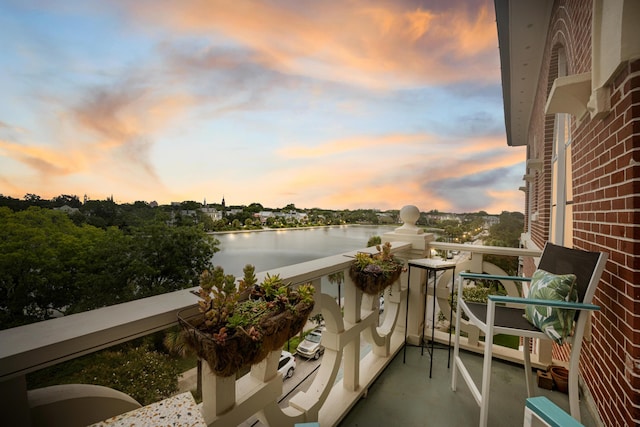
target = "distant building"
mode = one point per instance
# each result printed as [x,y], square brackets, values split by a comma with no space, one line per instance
[213,213]
[385,218]
[67,209]
[442,217]
[292,215]
[490,220]
[264,216]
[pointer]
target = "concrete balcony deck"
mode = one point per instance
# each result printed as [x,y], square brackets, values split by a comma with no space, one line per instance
[404,395]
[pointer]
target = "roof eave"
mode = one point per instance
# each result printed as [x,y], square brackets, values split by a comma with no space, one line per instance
[522,32]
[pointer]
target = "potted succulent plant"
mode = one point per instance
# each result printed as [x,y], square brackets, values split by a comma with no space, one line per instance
[372,273]
[239,324]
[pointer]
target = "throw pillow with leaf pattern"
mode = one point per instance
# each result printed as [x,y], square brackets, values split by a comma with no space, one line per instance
[556,323]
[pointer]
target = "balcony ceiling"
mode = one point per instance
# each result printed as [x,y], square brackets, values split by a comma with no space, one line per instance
[522,34]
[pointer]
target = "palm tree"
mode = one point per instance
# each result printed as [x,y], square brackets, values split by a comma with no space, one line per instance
[175,343]
[337,277]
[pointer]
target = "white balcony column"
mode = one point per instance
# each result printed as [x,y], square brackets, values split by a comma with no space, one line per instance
[218,394]
[475,266]
[227,401]
[476,260]
[419,240]
[352,316]
[266,370]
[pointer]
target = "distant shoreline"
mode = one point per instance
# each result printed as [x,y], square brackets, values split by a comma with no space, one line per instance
[298,228]
[427,230]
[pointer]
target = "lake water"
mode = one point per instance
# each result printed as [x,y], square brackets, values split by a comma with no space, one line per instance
[272,249]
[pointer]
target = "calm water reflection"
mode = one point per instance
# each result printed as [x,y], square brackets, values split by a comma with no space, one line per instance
[271,249]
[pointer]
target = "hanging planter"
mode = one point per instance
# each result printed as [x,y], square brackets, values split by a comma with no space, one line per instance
[240,325]
[372,273]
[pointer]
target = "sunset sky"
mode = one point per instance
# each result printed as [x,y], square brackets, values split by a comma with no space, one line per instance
[340,104]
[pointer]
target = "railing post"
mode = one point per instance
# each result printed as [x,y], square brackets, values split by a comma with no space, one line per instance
[352,304]
[419,240]
[476,260]
[218,394]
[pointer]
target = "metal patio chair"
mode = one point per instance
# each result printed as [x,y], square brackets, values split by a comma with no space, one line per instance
[493,319]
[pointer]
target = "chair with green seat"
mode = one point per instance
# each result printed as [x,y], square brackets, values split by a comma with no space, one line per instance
[559,303]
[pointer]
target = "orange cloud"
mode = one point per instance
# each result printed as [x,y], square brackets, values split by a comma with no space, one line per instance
[44,160]
[104,141]
[507,200]
[367,176]
[380,46]
[455,166]
[122,113]
[363,143]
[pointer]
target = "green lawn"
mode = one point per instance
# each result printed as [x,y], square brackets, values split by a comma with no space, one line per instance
[510,341]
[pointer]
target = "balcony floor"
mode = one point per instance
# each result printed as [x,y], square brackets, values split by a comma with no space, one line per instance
[404,395]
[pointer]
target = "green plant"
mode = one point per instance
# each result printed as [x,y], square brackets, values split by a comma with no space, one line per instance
[228,308]
[144,374]
[382,263]
[240,324]
[372,273]
[374,241]
[132,368]
[479,293]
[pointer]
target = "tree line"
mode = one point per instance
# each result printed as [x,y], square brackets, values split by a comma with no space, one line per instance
[51,266]
[106,213]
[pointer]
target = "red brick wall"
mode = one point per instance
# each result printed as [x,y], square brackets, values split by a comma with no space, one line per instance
[606,219]
[606,186]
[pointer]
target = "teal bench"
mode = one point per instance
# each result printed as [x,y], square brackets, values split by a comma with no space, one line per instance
[546,413]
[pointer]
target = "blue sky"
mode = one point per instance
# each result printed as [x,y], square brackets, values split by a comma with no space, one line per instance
[334,104]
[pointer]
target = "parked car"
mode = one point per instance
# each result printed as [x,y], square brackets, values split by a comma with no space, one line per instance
[286,365]
[311,347]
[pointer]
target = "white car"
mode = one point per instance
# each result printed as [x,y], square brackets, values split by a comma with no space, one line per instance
[287,365]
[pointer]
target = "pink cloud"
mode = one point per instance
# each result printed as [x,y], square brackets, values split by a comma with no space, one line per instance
[102,141]
[385,45]
[366,174]
[44,160]
[365,144]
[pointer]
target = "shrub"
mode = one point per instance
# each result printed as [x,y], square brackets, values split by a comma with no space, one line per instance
[144,374]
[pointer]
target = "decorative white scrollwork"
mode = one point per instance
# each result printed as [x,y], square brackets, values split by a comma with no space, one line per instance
[341,340]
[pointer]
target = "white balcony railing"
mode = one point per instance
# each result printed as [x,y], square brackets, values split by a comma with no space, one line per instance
[32,347]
